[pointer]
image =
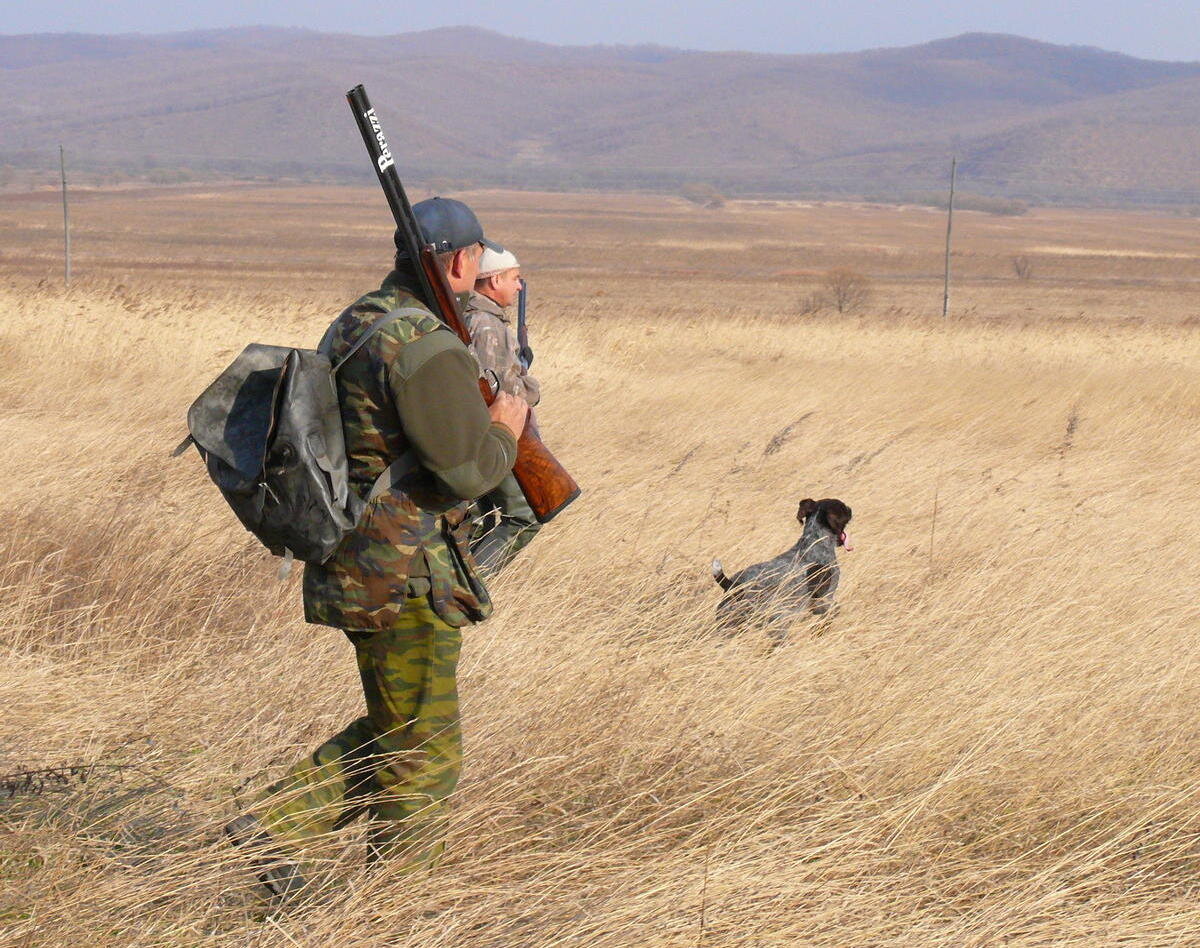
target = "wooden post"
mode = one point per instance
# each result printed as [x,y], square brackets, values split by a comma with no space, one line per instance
[62,164]
[949,228]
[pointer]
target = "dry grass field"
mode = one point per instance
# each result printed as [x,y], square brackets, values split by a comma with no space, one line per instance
[996,740]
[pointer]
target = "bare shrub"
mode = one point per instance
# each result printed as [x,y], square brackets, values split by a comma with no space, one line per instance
[846,290]
[1023,268]
[815,302]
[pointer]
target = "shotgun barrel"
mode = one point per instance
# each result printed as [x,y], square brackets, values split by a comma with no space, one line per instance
[524,352]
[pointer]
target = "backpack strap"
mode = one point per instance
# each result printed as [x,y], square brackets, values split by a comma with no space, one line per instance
[326,343]
[407,462]
[393,474]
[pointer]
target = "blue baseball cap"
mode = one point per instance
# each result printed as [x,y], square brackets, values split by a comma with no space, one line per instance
[448,225]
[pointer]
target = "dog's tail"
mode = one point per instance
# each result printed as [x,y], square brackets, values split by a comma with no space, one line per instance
[719,575]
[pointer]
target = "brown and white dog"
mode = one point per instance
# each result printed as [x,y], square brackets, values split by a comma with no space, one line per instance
[799,581]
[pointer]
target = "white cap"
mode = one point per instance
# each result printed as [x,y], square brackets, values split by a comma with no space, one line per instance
[493,262]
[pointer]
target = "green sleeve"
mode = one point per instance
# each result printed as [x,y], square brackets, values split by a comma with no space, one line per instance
[435,388]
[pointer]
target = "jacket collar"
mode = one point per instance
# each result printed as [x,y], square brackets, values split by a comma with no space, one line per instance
[486,304]
[397,284]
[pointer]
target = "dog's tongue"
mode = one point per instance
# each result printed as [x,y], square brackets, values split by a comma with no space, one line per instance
[845,538]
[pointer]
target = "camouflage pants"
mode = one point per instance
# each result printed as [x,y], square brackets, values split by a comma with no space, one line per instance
[399,762]
[496,547]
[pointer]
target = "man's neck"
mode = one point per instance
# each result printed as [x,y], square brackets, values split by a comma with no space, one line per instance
[487,303]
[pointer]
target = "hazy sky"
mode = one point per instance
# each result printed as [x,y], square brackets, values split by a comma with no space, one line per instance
[1160,30]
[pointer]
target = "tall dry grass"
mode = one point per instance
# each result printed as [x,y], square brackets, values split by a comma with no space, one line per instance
[994,743]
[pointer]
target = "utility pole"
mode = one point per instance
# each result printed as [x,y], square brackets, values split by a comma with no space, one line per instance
[949,227]
[62,164]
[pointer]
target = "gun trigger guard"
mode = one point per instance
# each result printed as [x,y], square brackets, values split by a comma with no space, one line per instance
[492,379]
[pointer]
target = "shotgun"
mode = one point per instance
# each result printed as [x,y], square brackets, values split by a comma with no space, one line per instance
[543,480]
[524,353]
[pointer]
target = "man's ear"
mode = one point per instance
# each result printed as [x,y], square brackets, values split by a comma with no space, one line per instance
[808,507]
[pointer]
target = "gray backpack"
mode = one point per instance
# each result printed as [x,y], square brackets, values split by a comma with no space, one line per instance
[270,432]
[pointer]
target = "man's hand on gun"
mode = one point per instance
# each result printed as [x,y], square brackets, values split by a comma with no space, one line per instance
[510,411]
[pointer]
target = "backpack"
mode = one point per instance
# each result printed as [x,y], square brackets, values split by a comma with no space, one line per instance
[270,432]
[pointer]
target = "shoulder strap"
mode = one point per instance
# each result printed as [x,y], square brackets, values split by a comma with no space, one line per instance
[393,474]
[327,340]
[407,462]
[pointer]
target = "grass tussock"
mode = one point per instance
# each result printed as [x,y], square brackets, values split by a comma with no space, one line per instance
[994,741]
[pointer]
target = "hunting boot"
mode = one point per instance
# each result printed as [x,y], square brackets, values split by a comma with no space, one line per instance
[279,874]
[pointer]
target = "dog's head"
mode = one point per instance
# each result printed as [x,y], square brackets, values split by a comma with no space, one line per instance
[831,514]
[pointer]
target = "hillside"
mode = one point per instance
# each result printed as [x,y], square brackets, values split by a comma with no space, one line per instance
[1027,118]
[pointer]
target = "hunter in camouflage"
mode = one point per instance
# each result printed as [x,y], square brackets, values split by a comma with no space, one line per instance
[403,582]
[413,538]
[505,523]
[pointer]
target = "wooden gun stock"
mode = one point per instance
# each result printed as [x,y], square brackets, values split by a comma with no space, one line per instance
[546,484]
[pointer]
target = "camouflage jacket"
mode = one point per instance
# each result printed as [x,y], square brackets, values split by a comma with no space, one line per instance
[412,388]
[494,343]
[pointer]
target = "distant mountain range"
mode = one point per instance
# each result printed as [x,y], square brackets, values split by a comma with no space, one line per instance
[1026,119]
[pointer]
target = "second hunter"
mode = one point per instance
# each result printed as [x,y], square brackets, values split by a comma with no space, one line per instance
[507,523]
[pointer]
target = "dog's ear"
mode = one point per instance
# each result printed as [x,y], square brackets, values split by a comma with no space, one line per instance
[808,507]
[836,515]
